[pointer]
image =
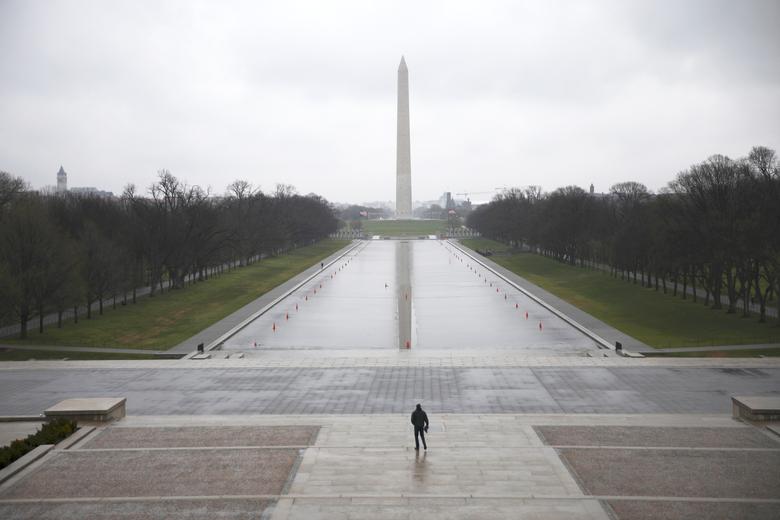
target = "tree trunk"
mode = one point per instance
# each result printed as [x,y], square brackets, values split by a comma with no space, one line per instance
[59,318]
[100,300]
[40,320]
[731,291]
[89,310]
[24,317]
[693,284]
[76,314]
[133,293]
[685,284]
[745,299]
[716,282]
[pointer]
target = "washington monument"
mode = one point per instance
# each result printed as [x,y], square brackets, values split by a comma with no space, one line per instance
[403,161]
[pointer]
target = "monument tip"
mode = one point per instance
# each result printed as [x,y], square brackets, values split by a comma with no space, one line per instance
[403,63]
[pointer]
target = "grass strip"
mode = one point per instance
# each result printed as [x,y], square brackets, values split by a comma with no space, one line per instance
[41,355]
[398,228]
[167,319]
[742,353]
[657,319]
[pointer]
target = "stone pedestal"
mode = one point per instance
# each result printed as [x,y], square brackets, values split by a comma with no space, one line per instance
[94,409]
[756,408]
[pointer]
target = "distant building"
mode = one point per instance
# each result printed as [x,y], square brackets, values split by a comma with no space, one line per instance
[62,187]
[90,191]
[446,201]
[62,180]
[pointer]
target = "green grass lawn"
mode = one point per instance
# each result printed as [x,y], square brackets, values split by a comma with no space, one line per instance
[655,318]
[26,355]
[166,320]
[752,352]
[404,227]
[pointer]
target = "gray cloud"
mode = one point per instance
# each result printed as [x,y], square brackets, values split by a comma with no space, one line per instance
[502,93]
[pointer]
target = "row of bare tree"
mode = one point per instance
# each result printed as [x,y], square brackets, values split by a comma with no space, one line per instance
[64,251]
[715,228]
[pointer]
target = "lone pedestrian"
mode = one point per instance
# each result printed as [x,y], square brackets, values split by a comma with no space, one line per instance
[322,265]
[420,422]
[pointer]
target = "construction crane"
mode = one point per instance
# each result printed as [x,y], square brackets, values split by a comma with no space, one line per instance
[468,194]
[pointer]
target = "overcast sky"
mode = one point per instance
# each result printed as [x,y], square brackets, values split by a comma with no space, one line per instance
[304,93]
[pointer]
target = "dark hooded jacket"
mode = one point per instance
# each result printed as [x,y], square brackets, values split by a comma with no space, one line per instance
[419,418]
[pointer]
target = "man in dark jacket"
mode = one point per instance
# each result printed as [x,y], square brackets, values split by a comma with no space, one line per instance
[420,422]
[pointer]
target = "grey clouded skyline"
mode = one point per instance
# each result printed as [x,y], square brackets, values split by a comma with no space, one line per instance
[303,93]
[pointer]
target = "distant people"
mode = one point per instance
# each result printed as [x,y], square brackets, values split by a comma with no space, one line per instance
[420,422]
[322,265]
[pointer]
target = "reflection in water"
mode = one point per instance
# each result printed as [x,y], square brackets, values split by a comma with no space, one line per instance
[403,269]
[420,468]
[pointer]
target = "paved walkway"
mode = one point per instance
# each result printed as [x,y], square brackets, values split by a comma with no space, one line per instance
[477,466]
[354,386]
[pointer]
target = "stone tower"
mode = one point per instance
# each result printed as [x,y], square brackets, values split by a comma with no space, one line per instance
[62,181]
[403,161]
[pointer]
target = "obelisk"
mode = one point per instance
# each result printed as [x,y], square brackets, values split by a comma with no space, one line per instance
[403,160]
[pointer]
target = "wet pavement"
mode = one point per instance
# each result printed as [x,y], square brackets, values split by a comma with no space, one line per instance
[388,292]
[362,390]
[476,466]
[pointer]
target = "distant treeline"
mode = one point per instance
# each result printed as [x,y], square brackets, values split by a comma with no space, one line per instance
[64,251]
[716,227]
